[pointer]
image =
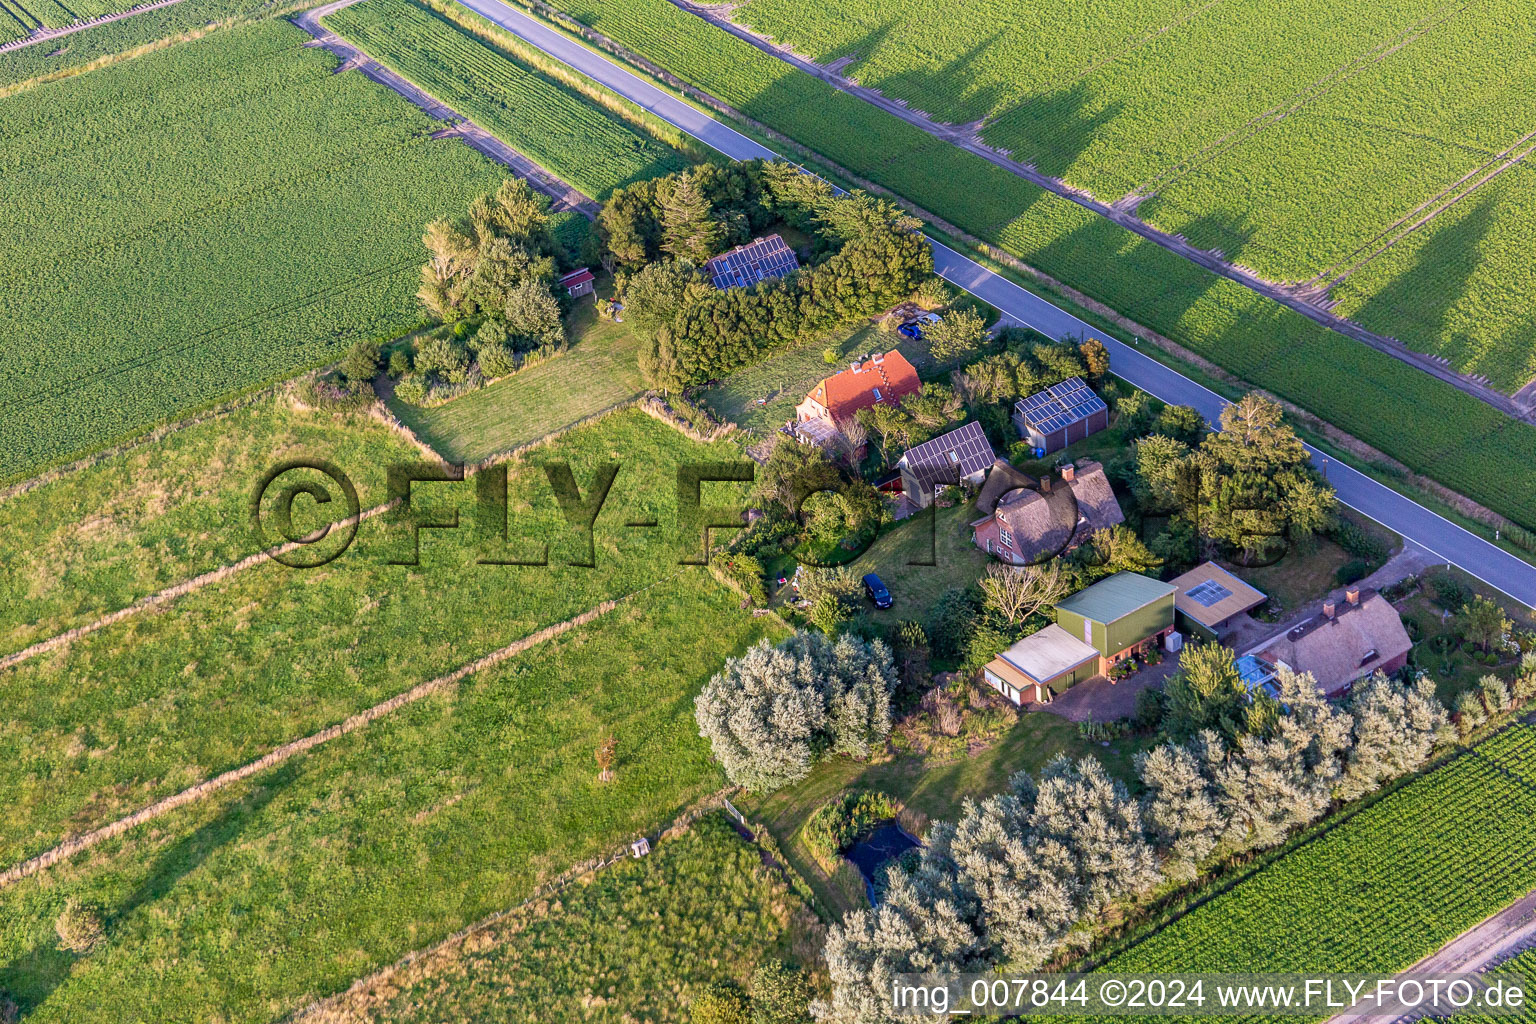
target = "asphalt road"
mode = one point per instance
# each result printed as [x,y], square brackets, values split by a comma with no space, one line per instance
[1440,536]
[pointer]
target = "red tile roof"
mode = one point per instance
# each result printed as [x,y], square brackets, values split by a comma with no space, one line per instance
[854,388]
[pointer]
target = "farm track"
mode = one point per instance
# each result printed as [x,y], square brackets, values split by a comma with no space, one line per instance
[1292,104]
[562,195]
[1428,210]
[47,34]
[1299,300]
[293,748]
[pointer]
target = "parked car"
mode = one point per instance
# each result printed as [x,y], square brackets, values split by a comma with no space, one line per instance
[876,590]
[927,318]
[911,330]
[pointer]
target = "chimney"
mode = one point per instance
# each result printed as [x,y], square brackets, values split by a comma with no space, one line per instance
[1328,609]
[1352,596]
[1045,484]
[1068,473]
[853,367]
[877,358]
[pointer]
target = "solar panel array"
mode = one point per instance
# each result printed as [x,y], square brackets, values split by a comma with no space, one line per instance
[1209,593]
[748,264]
[949,457]
[1060,405]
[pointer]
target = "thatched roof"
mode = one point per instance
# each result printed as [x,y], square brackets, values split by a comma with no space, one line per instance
[1001,479]
[1048,524]
[1356,641]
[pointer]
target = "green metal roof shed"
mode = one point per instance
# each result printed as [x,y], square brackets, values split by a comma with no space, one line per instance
[1119,612]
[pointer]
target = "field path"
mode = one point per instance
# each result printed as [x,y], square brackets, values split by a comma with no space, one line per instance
[293,748]
[43,35]
[563,195]
[1302,300]
[1504,935]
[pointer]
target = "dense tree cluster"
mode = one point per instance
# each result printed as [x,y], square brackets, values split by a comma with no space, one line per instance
[868,255]
[1248,488]
[770,714]
[1006,884]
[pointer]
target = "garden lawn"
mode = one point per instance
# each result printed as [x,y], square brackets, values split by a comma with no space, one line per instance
[160,701]
[600,370]
[941,536]
[202,220]
[95,540]
[244,906]
[640,940]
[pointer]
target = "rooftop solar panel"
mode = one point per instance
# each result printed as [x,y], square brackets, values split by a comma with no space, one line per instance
[1209,593]
[1060,405]
[949,457]
[748,264]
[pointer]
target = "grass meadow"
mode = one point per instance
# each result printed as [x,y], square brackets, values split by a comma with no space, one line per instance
[636,941]
[242,907]
[159,701]
[200,220]
[94,541]
[599,370]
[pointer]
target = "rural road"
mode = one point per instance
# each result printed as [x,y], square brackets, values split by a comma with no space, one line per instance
[1504,935]
[1438,535]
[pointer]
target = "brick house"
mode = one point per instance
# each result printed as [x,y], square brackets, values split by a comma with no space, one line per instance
[1346,642]
[1031,524]
[882,379]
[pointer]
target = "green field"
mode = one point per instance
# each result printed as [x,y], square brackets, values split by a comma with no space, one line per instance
[255,218]
[1290,136]
[599,371]
[162,700]
[1380,889]
[562,131]
[1430,426]
[96,540]
[242,907]
[638,940]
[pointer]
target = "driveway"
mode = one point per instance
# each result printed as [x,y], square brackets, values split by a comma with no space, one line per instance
[1099,700]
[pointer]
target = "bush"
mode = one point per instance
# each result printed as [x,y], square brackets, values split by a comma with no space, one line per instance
[1148,716]
[412,389]
[743,572]
[362,361]
[840,822]
[1352,571]
[1363,545]
[720,1004]
[399,363]
[932,293]
[829,356]
[78,927]
[952,622]
[497,361]
[1469,711]
[1447,591]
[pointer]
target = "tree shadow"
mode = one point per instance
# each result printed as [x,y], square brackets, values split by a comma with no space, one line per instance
[32,978]
[1052,131]
[1229,231]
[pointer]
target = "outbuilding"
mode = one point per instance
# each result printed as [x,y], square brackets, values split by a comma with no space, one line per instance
[1041,666]
[1060,415]
[1209,597]
[1119,615]
[960,457]
[578,283]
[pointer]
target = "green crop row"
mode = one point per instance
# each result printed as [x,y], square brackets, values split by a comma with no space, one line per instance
[1375,892]
[567,134]
[201,220]
[1429,425]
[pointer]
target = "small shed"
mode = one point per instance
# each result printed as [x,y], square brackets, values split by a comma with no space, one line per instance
[1209,597]
[1041,666]
[578,283]
[1117,615]
[961,456]
[1060,415]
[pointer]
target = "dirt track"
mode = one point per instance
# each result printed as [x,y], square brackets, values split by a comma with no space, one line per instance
[562,195]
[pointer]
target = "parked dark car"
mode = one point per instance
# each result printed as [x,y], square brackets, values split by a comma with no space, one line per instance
[911,330]
[877,592]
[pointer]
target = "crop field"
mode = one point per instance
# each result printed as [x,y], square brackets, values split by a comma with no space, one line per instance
[158,265]
[159,701]
[1381,889]
[20,17]
[638,940]
[1291,136]
[96,540]
[561,130]
[245,905]
[1430,426]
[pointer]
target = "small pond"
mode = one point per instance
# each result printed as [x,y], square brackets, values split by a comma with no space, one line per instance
[870,853]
